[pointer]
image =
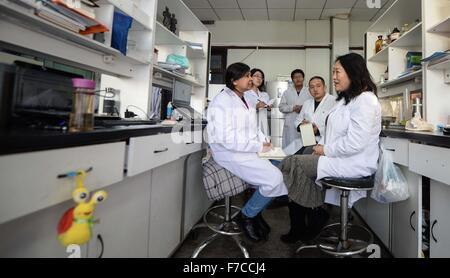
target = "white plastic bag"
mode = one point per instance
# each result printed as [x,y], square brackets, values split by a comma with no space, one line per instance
[390,183]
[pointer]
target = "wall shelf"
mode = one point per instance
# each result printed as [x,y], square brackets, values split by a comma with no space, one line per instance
[381,56]
[32,22]
[442,28]
[395,15]
[177,76]
[406,78]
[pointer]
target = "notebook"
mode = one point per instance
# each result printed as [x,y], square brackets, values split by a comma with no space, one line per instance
[307,133]
[274,154]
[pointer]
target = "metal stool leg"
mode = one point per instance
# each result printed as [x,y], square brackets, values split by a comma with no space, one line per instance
[226,228]
[238,241]
[205,243]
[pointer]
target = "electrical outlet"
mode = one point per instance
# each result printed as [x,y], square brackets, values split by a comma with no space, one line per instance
[108,59]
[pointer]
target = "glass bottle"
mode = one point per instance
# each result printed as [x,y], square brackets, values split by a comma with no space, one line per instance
[379,44]
[82,115]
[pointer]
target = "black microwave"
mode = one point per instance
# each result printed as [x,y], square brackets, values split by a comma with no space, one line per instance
[38,95]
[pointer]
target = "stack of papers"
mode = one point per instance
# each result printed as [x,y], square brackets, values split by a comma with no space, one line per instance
[274,154]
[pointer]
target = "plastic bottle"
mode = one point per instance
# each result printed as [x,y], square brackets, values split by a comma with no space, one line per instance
[169,110]
[82,115]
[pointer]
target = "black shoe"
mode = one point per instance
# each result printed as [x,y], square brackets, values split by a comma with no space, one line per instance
[263,225]
[297,232]
[249,226]
[317,219]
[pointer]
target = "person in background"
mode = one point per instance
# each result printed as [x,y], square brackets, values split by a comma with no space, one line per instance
[258,98]
[315,110]
[235,140]
[348,149]
[291,105]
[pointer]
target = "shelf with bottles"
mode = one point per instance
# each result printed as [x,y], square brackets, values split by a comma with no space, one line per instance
[441,28]
[411,38]
[38,34]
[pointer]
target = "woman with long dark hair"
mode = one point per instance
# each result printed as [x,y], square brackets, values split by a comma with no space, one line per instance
[349,149]
[258,98]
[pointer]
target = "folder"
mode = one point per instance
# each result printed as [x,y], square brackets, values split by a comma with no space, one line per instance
[307,133]
[92,25]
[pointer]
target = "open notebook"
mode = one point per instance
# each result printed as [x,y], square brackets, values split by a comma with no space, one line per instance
[274,154]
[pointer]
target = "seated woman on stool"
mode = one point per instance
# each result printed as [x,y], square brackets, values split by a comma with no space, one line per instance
[349,149]
[235,141]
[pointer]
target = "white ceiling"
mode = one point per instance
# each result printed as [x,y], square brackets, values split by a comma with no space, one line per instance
[285,10]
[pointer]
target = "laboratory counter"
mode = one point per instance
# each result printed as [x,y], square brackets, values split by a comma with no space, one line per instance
[30,140]
[436,138]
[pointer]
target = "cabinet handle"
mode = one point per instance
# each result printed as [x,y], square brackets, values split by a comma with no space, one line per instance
[391,150]
[74,173]
[100,239]
[161,151]
[410,220]
[190,143]
[432,231]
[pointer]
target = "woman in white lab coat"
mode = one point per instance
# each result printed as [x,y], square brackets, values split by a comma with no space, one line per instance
[316,110]
[259,99]
[235,140]
[349,148]
[290,105]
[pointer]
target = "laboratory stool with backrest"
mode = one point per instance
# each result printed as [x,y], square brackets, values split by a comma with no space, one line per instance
[343,239]
[220,184]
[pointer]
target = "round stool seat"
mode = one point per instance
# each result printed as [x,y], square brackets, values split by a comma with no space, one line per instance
[350,184]
[214,219]
[359,238]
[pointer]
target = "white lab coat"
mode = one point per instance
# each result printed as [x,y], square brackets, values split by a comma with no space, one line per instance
[235,140]
[317,117]
[351,143]
[291,137]
[253,98]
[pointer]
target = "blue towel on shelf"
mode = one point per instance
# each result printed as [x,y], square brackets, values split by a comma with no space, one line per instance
[121,25]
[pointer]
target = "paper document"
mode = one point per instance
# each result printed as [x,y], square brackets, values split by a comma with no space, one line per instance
[307,133]
[275,154]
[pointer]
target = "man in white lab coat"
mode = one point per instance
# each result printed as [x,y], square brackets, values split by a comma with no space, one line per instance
[235,140]
[291,105]
[316,110]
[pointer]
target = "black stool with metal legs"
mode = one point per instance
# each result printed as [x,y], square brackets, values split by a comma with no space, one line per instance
[225,226]
[343,239]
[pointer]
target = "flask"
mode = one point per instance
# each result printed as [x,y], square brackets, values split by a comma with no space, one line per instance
[82,115]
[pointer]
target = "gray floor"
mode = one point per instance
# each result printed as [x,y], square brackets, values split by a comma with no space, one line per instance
[278,219]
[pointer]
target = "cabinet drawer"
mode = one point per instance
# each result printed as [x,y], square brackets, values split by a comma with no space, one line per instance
[399,149]
[192,143]
[148,152]
[429,161]
[29,181]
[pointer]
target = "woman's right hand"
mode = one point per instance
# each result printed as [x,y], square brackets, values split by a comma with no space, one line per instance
[260,105]
[267,147]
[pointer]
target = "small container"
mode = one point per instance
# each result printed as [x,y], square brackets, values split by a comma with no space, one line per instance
[379,44]
[82,115]
[169,110]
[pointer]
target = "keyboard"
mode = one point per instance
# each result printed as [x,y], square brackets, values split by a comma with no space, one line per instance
[124,122]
